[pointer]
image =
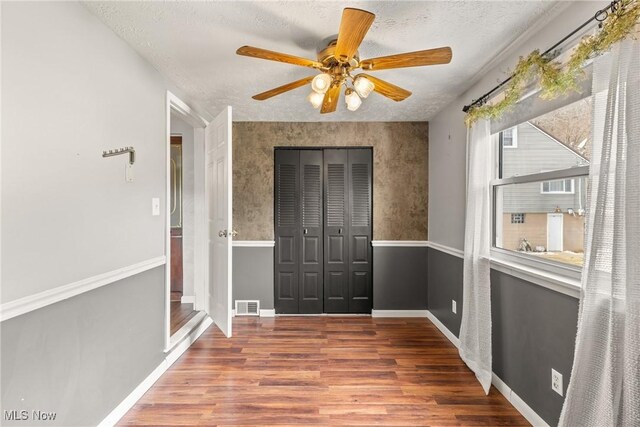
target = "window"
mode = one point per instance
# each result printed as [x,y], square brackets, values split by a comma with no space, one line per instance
[541,215]
[517,218]
[510,138]
[562,186]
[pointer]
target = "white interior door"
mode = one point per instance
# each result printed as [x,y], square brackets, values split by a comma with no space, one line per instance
[218,181]
[554,232]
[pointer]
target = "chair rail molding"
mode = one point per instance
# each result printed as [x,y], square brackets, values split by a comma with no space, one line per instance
[446,249]
[400,243]
[254,243]
[33,302]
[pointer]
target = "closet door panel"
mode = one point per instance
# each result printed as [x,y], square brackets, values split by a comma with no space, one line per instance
[311,253]
[287,230]
[360,174]
[336,268]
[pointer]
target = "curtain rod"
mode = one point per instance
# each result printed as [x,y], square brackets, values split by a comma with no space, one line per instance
[599,16]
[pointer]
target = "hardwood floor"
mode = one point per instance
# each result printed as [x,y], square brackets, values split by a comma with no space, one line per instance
[322,370]
[180,315]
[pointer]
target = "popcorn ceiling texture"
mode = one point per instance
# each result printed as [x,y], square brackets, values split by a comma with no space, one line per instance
[193,45]
[400,172]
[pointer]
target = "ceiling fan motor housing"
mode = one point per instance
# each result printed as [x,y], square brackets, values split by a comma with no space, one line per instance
[327,55]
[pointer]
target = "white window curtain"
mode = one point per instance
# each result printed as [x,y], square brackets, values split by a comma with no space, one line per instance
[605,381]
[475,329]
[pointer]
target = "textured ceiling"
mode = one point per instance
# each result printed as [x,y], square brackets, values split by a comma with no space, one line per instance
[193,44]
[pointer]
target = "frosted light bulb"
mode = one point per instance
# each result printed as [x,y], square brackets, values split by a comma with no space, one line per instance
[363,86]
[353,100]
[321,83]
[315,99]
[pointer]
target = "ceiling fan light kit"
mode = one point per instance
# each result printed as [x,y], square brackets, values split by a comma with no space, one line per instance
[339,58]
[316,98]
[363,86]
[352,99]
[321,83]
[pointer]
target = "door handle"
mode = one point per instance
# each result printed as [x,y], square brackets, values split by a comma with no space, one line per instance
[222,233]
[305,231]
[233,233]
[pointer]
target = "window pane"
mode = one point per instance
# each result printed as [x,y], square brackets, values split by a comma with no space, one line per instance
[557,140]
[507,138]
[549,226]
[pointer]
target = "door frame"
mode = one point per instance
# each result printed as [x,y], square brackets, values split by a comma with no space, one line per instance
[175,105]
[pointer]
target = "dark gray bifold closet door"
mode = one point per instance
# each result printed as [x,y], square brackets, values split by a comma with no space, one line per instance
[311,256]
[287,230]
[336,244]
[298,219]
[323,203]
[348,205]
[359,230]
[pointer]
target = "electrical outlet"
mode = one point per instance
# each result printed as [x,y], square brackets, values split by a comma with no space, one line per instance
[454,306]
[556,381]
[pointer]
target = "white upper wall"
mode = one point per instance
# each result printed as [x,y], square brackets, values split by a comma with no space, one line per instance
[448,133]
[71,89]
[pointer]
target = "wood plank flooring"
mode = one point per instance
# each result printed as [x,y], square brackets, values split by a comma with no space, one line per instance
[180,314]
[322,371]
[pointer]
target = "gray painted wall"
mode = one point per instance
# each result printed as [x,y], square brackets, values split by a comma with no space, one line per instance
[72,88]
[445,284]
[180,127]
[526,316]
[253,275]
[82,356]
[399,278]
[533,330]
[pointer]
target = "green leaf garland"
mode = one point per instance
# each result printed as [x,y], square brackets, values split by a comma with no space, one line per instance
[554,78]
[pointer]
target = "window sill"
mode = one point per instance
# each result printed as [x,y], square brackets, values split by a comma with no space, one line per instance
[568,284]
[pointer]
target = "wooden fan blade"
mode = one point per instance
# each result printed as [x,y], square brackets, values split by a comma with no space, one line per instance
[387,89]
[353,27]
[282,89]
[256,52]
[441,55]
[330,102]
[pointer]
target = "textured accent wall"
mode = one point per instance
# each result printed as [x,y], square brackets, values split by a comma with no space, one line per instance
[400,172]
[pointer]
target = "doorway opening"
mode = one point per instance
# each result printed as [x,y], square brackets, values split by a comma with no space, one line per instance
[323,230]
[185,281]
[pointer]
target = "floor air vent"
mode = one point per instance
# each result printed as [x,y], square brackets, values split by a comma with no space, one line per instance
[247,308]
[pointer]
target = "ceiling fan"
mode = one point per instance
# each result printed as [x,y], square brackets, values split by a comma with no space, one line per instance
[339,58]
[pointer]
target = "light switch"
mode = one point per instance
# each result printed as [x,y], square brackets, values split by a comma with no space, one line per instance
[155,206]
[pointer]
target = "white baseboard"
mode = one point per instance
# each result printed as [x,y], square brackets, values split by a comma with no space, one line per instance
[399,313]
[500,385]
[188,299]
[133,397]
[447,333]
[264,312]
[517,402]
